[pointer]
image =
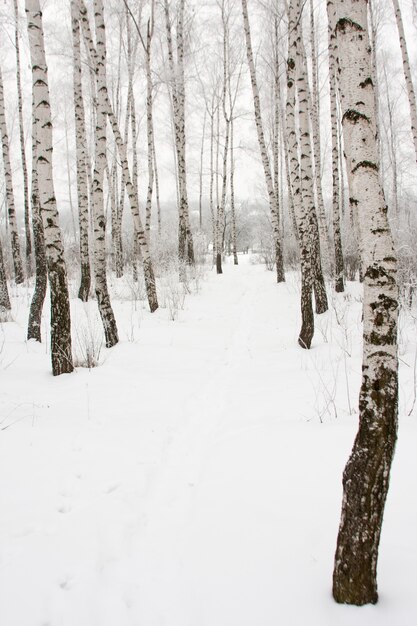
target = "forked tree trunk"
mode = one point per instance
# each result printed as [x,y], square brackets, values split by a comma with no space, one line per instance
[407,73]
[26,203]
[337,239]
[80,146]
[307,315]
[57,274]
[366,475]
[130,190]
[306,166]
[272,195]
[11,211]
[100,160]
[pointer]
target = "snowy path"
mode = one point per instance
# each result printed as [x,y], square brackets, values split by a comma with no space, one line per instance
[194,478]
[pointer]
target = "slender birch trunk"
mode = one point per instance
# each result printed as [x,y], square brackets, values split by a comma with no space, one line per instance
[366,475]
[407,73]
[325,244]
[272,196]
[26,203]
[57,274]
[4,291]
[100,160]
[200,194]
[41,271]
[185,239]
[11,211]
[158,203]
[80,146]
[337,240]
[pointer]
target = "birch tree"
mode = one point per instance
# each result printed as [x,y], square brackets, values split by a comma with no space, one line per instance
[366,475]
[177,90]
[4,290]
[26,203]
[100,160]
[11,211]
[41,270]
[337,240]
[407,73]
[80,144]
[301,212]
[272,196]
[57,275]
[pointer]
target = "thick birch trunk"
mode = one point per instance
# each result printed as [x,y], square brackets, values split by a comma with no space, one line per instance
[60,306]
[273,200]
[366,475]
[11,211]
[80,146]
[407,73]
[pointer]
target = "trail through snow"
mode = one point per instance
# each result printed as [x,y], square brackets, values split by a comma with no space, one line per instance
[194,478]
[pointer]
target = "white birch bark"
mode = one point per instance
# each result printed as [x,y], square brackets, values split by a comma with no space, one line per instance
[301,212]
[11,210]
[4,291]
[177,88]
[407,73]
[337,240]
[272,196]
[306,166]
[26,203]
[366,475]
[41,271]
[60,307]
[100,161]
[80,147]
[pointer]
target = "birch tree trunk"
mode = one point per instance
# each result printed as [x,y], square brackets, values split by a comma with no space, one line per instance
[337,240]
[301,212]
[407,73]
[11,211]
[4,291]
[41,271]
[366,475]
[325,245]
[57,274]
[100,160]
[80,146]
[185,239]
[26,203]
[273,199]
[306,166]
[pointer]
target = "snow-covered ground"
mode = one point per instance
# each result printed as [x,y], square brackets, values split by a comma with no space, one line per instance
[194,478]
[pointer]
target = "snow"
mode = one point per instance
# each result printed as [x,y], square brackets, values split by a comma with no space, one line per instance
[194,477]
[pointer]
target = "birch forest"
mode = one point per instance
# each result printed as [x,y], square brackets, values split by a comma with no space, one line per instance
[208,221]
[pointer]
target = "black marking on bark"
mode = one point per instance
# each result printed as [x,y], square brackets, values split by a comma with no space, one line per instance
[354,116]
[344,23]
[366,82]
[367,164]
